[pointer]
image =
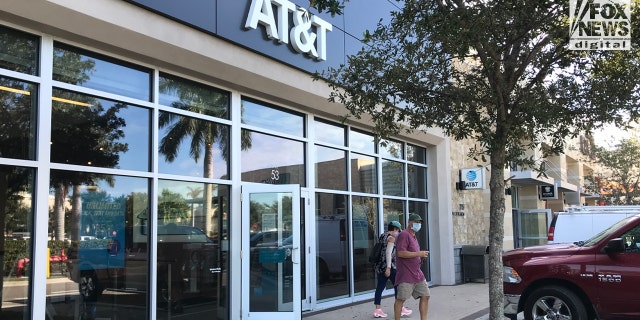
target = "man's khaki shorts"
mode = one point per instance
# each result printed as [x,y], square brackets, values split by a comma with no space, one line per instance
[417,290]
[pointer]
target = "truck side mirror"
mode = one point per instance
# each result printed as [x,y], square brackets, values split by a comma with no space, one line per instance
[614,246]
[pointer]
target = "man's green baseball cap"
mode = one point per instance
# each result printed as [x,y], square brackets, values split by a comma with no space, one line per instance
[414,217]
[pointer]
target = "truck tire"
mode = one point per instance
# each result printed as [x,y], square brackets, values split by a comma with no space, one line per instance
[556,303]
[88,286]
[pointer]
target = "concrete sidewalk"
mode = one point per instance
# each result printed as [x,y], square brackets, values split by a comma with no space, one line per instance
[469,301]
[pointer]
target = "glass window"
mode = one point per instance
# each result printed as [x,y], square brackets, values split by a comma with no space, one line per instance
[191,96]
[332,243]
[268,117]
[18,103]
[365,225]
[416,154]
[392,178]
[364,176]
[417,178]
[100,221]
[362,142]
[331,168]
[393,210]
[16,216]
[392,149]
[18,51]
[329,133]
[97,132]
[193,147]
[193,256]
[275,160]
[91,70]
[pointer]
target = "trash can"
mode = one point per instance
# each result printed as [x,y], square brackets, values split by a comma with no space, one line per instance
[475,263]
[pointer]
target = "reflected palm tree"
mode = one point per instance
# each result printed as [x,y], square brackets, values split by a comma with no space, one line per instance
[203,134]
[194,193]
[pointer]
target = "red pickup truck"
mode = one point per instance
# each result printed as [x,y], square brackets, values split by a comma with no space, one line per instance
[598,278]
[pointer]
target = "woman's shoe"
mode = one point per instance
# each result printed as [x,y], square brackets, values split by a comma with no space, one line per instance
[379,314]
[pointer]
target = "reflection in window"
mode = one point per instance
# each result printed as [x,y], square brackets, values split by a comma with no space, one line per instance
[18,114]
[362,142]
[194,97]
[364,234]
[193,147]
[331,244]
[416,154]
[331,168]
[102,220]
[267,117]
[19,51]
[273,160]
[631,240]
[193,235]
[91,70]
[363,174]
[329,133]
[91,131]
[417,178]
[393,210]
[533,228]
[392,178]
[392,149]
[16,218]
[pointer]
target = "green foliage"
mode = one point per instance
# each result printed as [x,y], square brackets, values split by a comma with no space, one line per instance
[620,179]
[498,72]
[15,250]
[172,207]
[334,7]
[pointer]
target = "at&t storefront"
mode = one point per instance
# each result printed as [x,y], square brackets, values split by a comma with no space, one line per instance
[162,159]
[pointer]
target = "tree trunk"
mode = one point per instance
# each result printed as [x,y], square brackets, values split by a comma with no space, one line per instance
[76,213]
[496,234]
[58,210]
[208,191]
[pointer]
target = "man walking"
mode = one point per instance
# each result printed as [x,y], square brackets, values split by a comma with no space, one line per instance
[410,280]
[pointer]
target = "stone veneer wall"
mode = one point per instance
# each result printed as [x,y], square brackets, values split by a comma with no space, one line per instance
[471,207]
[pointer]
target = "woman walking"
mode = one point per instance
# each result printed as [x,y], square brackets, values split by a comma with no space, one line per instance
[386,267]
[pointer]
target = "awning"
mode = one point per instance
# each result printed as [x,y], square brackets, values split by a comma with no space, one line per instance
[530,178]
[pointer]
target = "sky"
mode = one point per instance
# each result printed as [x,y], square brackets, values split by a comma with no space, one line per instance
[608,136]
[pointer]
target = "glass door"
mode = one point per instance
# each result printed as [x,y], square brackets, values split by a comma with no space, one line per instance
[532,227]
[271,251]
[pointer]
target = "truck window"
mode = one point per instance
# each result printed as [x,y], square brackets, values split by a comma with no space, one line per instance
[631,240]
[604,233]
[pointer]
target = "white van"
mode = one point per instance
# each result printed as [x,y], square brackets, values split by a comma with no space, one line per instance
[333,246]
[582,222]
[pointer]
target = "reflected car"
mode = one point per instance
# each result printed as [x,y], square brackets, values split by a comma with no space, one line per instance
[188,263]
[258,238]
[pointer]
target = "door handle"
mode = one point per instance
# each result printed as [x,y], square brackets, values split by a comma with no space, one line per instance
[293,250]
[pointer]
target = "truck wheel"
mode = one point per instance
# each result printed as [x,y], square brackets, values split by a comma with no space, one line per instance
[554,302]
[88,286]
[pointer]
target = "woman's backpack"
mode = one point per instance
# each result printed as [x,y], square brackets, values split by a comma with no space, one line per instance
[376,253]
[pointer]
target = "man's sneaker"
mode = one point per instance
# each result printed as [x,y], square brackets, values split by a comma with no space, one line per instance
[379,314]
[406,312]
